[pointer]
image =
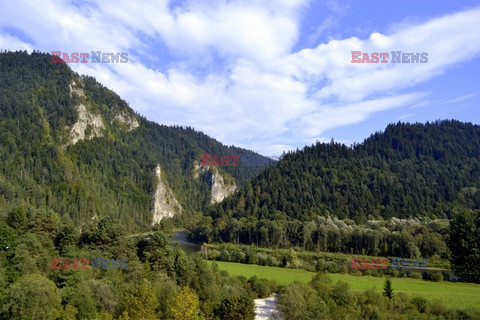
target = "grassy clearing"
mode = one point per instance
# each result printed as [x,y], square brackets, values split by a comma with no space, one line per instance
[454,295]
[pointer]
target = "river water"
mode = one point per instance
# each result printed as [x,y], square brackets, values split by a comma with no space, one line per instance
[180,239]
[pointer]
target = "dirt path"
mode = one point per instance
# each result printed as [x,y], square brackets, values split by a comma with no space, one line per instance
[266,308]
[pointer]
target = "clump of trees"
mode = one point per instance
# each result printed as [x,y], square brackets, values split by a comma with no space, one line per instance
[408,238]
[323,299]
[464,244]
[161,282]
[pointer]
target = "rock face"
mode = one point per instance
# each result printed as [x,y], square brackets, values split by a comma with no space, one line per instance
[88,125]
[220,190]
[128,120]
[165,205]
[219,187]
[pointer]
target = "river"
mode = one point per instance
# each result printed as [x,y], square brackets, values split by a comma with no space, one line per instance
[180,239]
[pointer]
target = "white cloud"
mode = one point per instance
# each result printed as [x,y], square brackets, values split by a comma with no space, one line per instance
[253,91]
[8,42]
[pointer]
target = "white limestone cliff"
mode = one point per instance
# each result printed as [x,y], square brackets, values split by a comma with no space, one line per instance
[165,205]
[220,189]
[88,125]
[128,120]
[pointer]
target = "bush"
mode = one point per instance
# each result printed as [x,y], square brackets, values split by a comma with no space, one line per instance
[357,273]
[237,256]
[437,277]
[438,308]
[373,273]
[271,261]
[251,257]
[236,307]
[261,258]
[393,273]
[332,267]
[321,265]
[224,256]
[262,287]
[415,275]
[420,303]
[213,254]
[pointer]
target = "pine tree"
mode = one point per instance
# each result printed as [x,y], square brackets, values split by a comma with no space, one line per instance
[387,289]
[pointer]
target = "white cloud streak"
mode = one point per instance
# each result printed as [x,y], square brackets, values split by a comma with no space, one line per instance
[255,92]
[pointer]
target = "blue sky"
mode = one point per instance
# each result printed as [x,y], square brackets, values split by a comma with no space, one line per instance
[268,75]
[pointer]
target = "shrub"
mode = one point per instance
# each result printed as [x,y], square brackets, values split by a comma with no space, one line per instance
[437,277]
[272,261]
[373,273]
[262,287]
[236,307]
[321,265]
[393,273]
[213,254]
[261,259]
[438,308]
[332,267]
[357,273]
[420,303]
[237,256]
[224,256]
[415,275]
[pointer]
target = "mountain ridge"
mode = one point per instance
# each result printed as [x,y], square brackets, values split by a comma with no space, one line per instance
[71,145]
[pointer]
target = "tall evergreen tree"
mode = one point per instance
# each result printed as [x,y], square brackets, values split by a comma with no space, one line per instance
[387,289]
[465,244]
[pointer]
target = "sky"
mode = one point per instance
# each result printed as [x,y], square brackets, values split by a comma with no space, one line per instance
[268,75]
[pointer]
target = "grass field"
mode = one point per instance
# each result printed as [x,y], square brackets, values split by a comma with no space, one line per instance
[454,295]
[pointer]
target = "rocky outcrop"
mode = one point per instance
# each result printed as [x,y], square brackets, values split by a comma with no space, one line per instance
[88,125]
[74,90]
[128,120]
[220,187]
[165,205]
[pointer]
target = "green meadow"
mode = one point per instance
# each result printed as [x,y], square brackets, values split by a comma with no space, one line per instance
[453,294]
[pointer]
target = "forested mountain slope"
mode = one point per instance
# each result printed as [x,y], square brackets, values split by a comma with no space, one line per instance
[72,147]
[408,171]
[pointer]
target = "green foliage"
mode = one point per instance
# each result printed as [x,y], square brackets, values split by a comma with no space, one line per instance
[32,297]
[437,277]
[111,175]
[262,288]
[17,219]
[143,305]
[185,305]
[465,244]
[323,299]
[331,197]
[387,289]
[300,301]
[236,307]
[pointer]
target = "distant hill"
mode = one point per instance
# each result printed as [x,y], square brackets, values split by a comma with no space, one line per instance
[408,171]
[71,147]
